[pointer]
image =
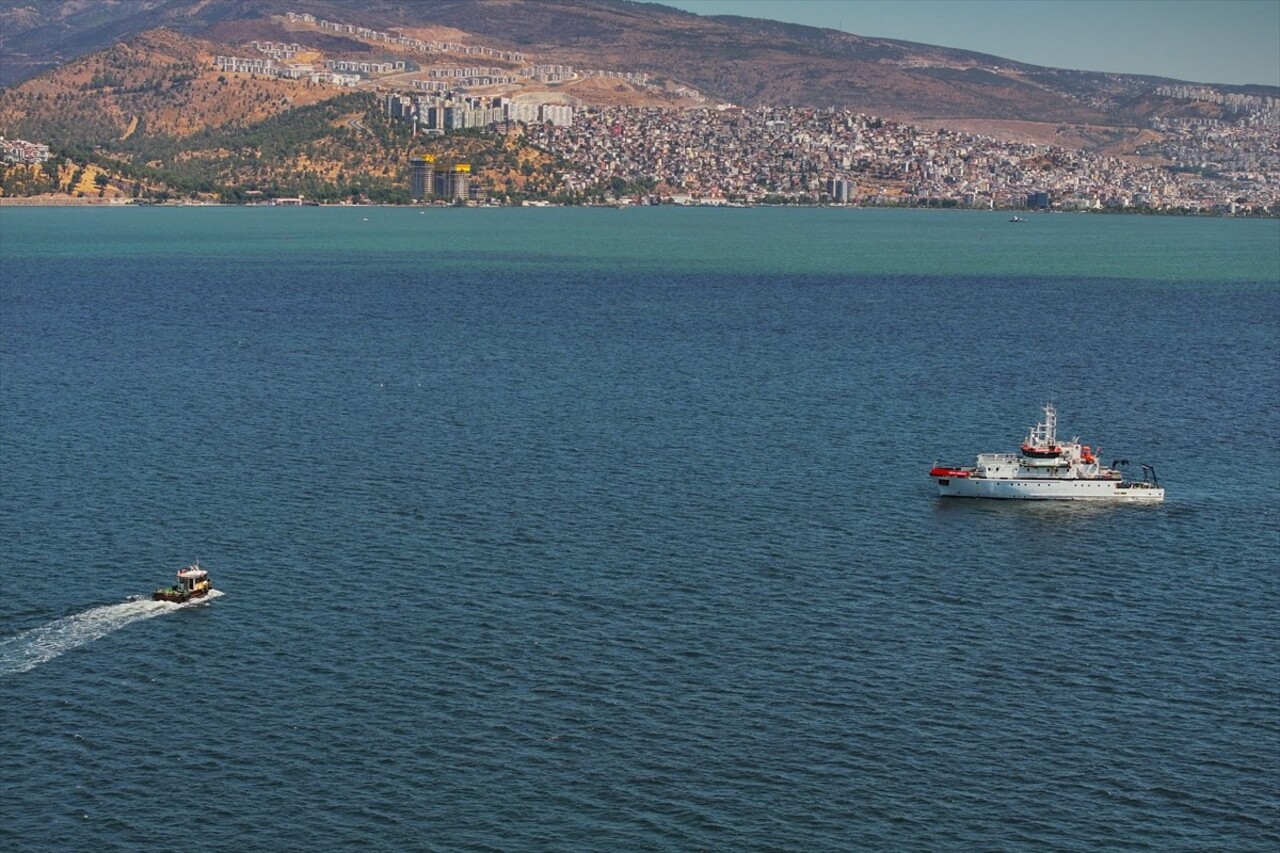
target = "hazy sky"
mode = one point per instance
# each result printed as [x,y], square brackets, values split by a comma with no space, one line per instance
[1204,41]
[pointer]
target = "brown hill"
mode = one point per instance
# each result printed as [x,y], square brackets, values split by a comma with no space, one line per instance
[159,82]
[741,60]
[750,61]
[153,117]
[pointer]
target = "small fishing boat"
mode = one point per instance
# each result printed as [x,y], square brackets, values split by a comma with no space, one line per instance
[193,582]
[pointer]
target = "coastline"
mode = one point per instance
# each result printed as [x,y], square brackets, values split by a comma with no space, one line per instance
[62,201]
[119,202]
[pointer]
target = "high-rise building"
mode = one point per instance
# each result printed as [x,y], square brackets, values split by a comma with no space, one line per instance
[561,115]
[428,179]
[459,179]
[420,166]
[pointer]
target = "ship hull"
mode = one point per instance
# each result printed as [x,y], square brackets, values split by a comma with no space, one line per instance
[178,597]
[1029,489]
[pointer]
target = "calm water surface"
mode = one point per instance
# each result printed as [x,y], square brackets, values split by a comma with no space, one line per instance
[610,530]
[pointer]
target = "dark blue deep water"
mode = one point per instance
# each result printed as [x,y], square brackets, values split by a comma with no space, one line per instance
[576,530]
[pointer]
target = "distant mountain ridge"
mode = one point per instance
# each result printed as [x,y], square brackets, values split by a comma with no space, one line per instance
[746,61]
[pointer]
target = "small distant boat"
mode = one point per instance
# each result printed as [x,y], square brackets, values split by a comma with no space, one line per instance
[193,582]
[1047,469]
[1017,219]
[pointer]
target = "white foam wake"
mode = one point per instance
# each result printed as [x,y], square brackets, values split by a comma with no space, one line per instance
[31,648]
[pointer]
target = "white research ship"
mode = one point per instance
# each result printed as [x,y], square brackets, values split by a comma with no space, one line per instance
[1046,469]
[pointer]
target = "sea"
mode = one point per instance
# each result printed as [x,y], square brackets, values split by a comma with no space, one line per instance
[611,530]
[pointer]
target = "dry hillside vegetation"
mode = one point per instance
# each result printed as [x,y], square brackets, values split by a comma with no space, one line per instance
[161,83]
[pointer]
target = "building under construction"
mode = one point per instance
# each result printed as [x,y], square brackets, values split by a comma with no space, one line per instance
[430,180]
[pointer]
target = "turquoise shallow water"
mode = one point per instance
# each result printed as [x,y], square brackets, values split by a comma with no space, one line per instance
[598,530]
[741,241]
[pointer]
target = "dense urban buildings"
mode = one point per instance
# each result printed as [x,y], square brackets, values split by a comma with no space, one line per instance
[21,151]
[731,155]
[725,154]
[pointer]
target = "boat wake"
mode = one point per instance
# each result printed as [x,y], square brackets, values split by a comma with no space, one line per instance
[26,651]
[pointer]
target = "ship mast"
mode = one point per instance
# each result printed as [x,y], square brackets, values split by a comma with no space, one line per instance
[1044,435]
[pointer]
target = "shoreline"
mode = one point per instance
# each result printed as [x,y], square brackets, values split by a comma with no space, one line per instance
[73,201]
[63,201]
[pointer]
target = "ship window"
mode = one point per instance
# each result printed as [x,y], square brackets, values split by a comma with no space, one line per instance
[944,482]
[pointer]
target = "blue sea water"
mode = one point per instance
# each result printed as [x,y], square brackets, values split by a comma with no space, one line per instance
[595,530]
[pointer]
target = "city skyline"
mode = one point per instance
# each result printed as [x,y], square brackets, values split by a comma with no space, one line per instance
[1233,42]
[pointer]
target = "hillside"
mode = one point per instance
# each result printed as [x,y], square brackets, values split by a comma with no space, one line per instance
[151,114]
[741,60]
[749,61]
[157,83]
[153,118]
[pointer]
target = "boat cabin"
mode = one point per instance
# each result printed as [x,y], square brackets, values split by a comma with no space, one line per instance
[193,582]
[193,578]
